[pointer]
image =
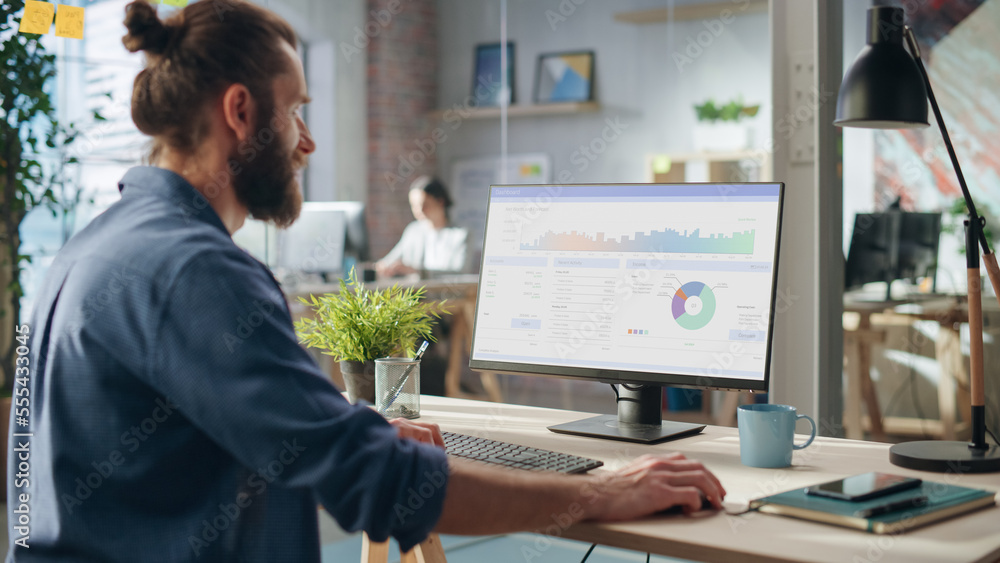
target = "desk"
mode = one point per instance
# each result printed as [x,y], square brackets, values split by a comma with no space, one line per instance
[949,313]
[752,536]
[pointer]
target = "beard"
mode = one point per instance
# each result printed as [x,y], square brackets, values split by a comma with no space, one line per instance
[266,184]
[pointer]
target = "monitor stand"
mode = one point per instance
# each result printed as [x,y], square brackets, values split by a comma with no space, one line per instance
[639,419]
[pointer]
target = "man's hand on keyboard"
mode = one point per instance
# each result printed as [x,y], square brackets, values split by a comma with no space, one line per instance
[426,432]
[654,483]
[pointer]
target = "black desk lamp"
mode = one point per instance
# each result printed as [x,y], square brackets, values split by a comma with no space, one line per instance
[887,88]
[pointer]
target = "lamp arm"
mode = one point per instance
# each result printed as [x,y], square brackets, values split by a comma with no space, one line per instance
[988,257]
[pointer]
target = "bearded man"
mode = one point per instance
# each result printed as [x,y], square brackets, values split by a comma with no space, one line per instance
[162,429]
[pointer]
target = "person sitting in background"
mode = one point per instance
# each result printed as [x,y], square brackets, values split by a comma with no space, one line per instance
[430,244]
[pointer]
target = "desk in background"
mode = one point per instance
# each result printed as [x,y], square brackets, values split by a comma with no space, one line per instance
[953,387]
[752,536]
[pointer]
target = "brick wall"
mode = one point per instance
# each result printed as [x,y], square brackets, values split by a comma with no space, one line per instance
[402,89]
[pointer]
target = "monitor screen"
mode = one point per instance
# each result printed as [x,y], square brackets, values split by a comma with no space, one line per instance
[356,242]
[663,284]
[892,245]
[259,239]
[315,241]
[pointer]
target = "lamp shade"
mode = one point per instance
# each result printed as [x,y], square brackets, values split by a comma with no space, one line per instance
[883,89]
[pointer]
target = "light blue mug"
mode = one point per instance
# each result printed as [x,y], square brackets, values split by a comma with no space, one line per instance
[766,434]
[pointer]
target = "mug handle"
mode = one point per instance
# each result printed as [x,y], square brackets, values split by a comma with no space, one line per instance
[812,437]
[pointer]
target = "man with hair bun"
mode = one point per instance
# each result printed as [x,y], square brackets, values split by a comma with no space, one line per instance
[178,419]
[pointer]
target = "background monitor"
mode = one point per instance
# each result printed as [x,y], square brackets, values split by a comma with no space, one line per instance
[356,244]
[890,246]
[259,239]
[642,285]
[315,241]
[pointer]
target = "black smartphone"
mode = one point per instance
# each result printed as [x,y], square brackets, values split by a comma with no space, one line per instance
[866,486]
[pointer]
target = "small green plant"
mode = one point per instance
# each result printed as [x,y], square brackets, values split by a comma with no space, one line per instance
[733,111]
[360,324]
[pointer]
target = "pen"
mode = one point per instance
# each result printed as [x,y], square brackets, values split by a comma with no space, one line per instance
[398,387]
[892,507]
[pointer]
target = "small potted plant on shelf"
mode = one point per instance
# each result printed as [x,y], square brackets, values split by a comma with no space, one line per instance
[358,325]
[719,127]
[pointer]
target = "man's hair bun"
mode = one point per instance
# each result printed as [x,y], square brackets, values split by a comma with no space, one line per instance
[146,32]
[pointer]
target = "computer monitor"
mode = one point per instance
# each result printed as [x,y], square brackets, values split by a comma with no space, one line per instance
[314,243]
[259,239]
[892,245]
[356,241]
[642,285]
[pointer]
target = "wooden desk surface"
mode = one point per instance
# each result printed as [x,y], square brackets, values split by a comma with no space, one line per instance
[712,536]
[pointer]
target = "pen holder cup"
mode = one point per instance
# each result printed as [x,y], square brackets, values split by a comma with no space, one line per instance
[395,397]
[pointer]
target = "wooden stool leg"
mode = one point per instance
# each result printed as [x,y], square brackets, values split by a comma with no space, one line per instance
[853,429]
[373,552]
[492,386]
[429,551]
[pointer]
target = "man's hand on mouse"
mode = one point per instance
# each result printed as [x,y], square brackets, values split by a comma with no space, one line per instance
[653,483]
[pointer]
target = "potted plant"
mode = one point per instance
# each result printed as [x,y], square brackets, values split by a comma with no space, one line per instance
[33,147]
[358,325]
[718,127]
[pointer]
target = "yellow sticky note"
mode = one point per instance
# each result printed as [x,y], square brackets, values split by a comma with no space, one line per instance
[178,3]
[37,17]
[69,22]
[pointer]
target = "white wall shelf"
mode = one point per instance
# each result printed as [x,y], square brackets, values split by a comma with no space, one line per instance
[534,110]
[692,12]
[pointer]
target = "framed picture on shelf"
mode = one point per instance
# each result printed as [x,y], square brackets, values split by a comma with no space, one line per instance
[564,77]
[488,86]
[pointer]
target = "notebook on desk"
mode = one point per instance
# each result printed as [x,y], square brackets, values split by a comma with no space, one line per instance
[943,501]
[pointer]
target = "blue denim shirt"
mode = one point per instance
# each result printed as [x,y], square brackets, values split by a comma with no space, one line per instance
[176,418]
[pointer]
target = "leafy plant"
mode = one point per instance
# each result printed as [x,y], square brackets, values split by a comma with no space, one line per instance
[359,324]
[732,111]
[958,213]
[28,126]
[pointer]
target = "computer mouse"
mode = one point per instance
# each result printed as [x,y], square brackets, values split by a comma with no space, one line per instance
[679,509]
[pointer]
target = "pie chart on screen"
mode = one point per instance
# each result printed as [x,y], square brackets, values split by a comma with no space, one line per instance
[693,305]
